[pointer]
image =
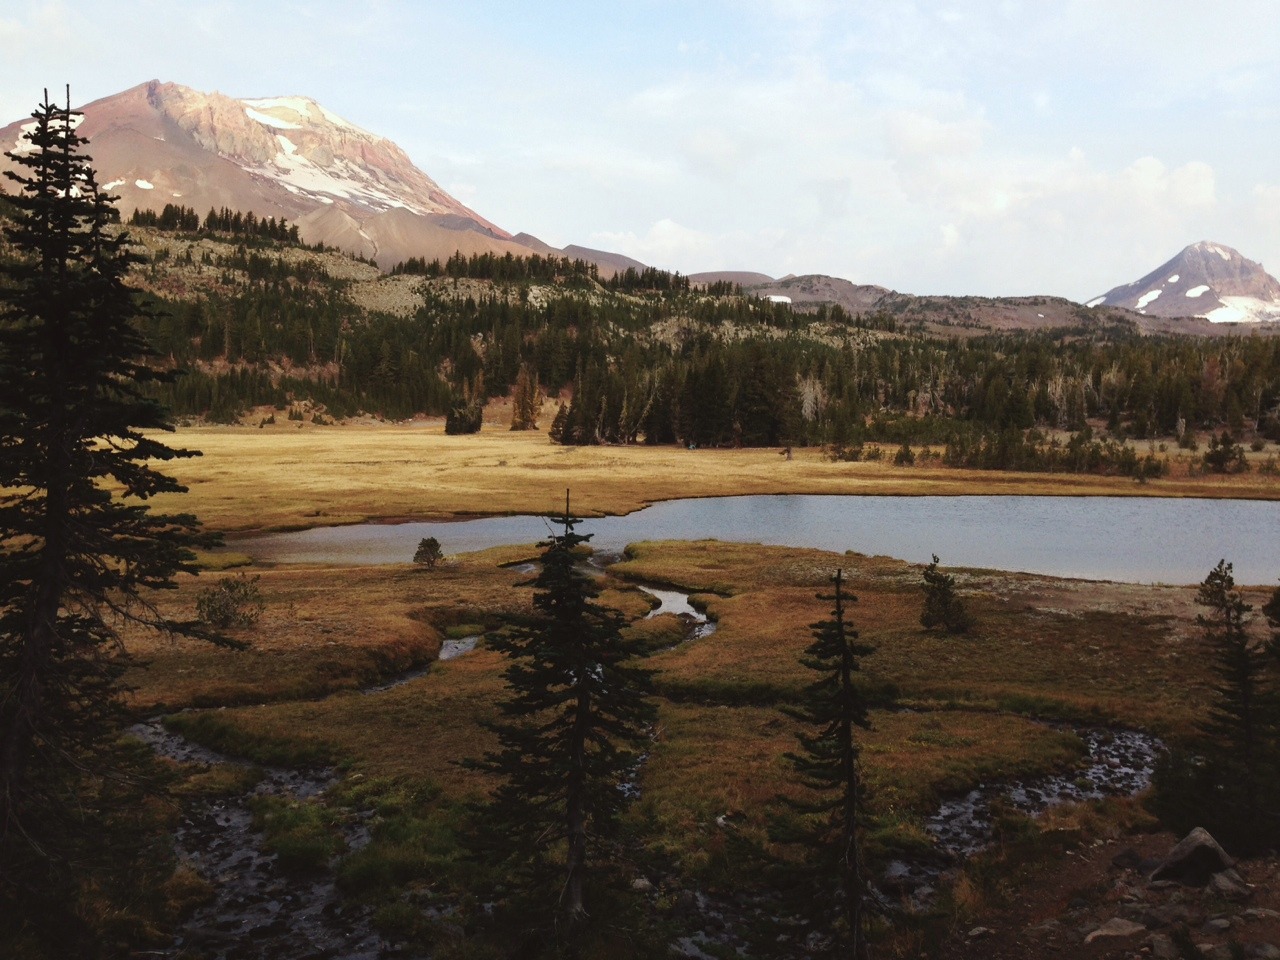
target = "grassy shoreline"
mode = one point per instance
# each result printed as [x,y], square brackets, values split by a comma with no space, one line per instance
[282,478]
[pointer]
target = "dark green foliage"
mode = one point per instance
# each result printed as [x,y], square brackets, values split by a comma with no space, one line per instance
[526,400]
[559,424]
[428,553]
[1032,451]
[827,881]
[738,372]
[464,417]
[505,268]
[75,558]
[1230,783]
[234,601]
[1225,455]
[942,608]
[176,217]
[577,710]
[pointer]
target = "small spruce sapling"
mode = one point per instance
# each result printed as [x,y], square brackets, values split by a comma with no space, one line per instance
[942,608]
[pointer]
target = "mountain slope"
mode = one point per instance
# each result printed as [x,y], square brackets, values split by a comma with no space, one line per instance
[160,143]
[1206,279]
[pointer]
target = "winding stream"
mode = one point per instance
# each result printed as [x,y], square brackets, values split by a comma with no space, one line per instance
[258,912]
[1117,763]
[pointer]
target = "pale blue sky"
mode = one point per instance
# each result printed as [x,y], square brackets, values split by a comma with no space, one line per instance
[977,147]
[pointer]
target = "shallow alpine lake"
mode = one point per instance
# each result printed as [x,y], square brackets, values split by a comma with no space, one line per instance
[1132,539]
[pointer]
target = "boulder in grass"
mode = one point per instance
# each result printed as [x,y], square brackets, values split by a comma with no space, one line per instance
[1194,860]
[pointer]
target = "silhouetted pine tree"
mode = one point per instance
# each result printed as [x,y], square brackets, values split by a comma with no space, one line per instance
[75,557]
[577,708]
[1240,722]
[830,885]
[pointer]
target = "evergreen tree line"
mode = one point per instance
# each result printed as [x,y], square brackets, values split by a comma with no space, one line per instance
[734,371]
[648,279]
[176,217]
[506,268]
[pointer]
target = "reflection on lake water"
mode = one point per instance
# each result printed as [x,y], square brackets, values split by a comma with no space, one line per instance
[1135,539]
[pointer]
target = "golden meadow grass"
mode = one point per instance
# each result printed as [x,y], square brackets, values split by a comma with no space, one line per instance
[282,476]
[1111,653]
[1099,652]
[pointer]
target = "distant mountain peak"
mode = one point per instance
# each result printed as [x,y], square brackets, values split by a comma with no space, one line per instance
[1206,279]
[286,156]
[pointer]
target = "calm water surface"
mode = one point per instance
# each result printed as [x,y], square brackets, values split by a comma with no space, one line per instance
[1134,539]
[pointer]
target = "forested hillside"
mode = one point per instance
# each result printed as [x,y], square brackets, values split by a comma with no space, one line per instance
[258,320]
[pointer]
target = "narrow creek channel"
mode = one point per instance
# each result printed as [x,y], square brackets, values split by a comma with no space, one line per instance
[1117,763]
[259,912]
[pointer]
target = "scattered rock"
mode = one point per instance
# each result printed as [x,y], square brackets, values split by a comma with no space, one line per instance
[1229,885]
[1217,925]
[1116,927]
[641,885]
[978,932]
[1263,951]
[1162,947]
[1194,859]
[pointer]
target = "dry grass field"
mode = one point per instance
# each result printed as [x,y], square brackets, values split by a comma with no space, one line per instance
[949,712]
[284,476]
[1097,653]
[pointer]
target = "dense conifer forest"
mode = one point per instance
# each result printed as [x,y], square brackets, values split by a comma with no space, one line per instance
[646,357]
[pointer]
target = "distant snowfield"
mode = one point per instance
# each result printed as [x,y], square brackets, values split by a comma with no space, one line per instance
[1244,310]
[302,107]
[343,179]
[1147,298]
[144,184]
[270,121]
[1197,291]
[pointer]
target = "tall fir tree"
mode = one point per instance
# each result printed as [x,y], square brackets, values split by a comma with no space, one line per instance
[831,885]
[577,709]
[79,548]
[1229,781]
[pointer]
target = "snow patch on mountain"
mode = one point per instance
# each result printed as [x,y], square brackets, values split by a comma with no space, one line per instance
[271,121]
[1244,310]
[1147,299]
[1197,291]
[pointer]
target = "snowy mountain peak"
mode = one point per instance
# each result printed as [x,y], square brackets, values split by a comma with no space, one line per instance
[287,156]
[1205,280]
[308,150]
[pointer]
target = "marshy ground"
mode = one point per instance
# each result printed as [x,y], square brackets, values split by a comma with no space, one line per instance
[952,712]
